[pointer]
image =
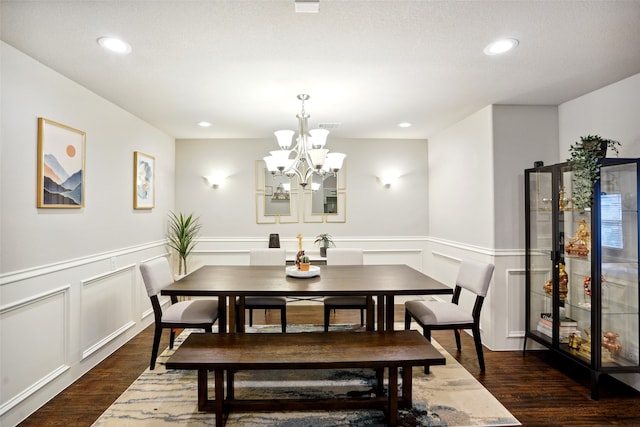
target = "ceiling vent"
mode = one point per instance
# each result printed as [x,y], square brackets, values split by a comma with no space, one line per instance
[329,125]
[307,6]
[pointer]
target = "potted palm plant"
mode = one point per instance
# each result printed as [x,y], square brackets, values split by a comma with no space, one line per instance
[183,230]
[325,241]
[585,163]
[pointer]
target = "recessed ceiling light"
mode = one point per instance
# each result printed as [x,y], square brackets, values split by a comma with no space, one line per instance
[114,45]
[204,124]
[500,46]
[404,125]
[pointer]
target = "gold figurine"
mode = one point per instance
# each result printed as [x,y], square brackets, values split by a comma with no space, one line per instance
[580,243]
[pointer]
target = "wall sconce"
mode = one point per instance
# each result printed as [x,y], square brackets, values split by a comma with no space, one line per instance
[389,178]
[216,180]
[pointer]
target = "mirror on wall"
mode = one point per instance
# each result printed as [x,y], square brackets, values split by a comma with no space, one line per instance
[324,195]
[328,203]
[276,197]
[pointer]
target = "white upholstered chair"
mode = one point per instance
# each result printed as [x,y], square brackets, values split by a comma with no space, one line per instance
[344,256]
[268,256]
[200,313]
[473,276]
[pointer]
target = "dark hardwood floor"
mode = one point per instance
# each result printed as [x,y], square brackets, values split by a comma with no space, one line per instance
[538,390]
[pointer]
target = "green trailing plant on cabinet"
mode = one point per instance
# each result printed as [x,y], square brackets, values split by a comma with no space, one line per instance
[183,230]
[584,160]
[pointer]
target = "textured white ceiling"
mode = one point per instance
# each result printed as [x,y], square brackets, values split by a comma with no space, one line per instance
[366,64]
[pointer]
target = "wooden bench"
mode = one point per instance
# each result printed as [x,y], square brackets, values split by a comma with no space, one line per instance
[226,353]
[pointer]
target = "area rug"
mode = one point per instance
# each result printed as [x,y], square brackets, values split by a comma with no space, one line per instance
[448,396]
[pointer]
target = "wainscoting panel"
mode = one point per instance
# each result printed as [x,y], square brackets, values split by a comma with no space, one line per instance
[31,328]
[105,312]
[516,292]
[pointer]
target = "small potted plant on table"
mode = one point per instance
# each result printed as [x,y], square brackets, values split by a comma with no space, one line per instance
[304,263]
[325,241]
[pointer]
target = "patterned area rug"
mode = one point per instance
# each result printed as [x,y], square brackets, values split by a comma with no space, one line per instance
[448,396]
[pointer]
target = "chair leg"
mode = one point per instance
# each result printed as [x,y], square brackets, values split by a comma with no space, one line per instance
[456,333]
[407,319]
[251,317]
[156,343]
[361,317]
[172,337]
[283,319]
[327,314]
[478,341]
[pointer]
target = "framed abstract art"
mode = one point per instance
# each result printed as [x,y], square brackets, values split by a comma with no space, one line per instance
[143,181]
[61,165]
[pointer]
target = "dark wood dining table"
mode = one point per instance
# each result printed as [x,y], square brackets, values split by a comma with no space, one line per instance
[381,281]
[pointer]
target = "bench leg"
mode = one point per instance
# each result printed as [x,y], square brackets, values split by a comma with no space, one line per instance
[393,397]
[379,381]
[219,397]
[230,377]
[407,378]
[203,385]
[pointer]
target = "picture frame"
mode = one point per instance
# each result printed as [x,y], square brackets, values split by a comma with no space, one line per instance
[61,165]
[144,171]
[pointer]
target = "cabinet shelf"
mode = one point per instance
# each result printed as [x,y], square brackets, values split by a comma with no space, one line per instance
[589,264]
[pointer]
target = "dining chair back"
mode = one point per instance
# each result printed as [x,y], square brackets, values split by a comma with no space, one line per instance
[267,256]
[344,256]
[474,277]
[201,313]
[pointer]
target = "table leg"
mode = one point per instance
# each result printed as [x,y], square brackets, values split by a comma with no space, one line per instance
[389,304]
[241,314]
[222,314]
[370,321]
[393,396]
[380,316]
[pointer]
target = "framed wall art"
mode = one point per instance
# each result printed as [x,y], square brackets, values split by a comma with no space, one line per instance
[143,181]
[61,165]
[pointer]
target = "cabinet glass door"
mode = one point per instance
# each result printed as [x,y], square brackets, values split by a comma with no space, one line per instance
[540,253]
[575,318]
[618,241]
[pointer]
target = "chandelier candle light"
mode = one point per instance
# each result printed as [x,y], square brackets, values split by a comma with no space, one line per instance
[309,155]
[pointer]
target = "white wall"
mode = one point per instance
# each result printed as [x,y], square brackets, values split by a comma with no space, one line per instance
[612,112]
[476,205]
[70,291]
[372,209]
[461,181]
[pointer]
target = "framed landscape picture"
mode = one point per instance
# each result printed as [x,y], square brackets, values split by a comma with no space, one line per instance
[61,165]
[143,181]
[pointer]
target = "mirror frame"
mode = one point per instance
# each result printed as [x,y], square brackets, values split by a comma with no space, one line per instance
[261,216]
[341,193]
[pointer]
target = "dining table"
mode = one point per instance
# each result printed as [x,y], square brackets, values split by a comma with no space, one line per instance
[234,282]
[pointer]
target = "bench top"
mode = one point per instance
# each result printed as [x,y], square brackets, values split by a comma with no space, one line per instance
[309,350]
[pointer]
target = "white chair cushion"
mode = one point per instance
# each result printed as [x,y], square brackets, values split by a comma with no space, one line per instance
[265,300]
[194,311]
[337,300]
[438,313]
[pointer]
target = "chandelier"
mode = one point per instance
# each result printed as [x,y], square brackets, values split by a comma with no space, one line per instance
[308,157]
